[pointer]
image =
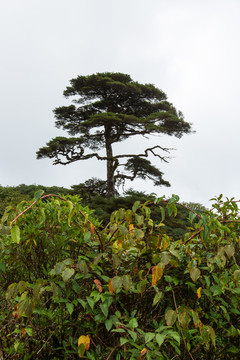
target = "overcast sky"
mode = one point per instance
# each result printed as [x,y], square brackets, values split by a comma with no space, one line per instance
[189,49]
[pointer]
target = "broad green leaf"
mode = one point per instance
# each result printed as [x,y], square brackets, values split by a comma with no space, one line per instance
[43,216]
[155,259]
[236,274]
[104,309]
[116,283]
[123,229]
[236,290]
[162,213]
[139,219]
[108,324]
[118,330]
[97,258]
[29,331]
[16,345]
[116,260]
[38,195]
[70,216]
[196,319]
[90,302]
[36,291]
[212,335]
[58,268]
[68,261]
[56,290]
[70,205]
[216,289]
[12,291]
[207,280]
[133,335]
[204,330]
[127,282]
[232,331]
[170,317]
[87,235]
[22,286]
[2,267]
[139,234]
[192,216]
[157,298]
[149,336]
[123,341]
[229,250]
[185,319]
[165,258]
[225,312]
[30,308]
[174,335]
[135,206]
[133,323]
[25,307]
[70,308]
[67,274]
[76,287]
[160,338]
[83,303]
[195,274]
[233,349]
[15,233]
[170,279]
[81,350]
[175,253]
[141,286]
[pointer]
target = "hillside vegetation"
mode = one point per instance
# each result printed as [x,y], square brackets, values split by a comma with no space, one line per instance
[73,286]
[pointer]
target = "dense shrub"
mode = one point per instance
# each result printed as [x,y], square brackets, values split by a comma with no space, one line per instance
[71,288]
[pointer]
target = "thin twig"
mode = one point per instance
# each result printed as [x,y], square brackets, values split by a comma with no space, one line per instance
[175,304]
[45,342]
[113,350]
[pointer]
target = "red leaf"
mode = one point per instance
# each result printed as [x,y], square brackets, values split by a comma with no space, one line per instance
[98,285]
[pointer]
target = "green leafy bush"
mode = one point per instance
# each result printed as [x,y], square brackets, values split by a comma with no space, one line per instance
[72,289]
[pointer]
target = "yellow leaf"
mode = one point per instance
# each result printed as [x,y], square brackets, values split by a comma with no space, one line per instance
[83,344]
[131,227]
[86,219]
[199,292]
[143,352]
[92,229]
[117,245]
[157,273]
[84,340]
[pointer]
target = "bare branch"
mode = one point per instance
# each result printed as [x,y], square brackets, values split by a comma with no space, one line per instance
[75,155]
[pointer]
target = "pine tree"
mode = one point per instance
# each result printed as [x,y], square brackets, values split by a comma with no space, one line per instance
[108,108]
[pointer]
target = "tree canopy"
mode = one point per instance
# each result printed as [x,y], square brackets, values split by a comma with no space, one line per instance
[108,108]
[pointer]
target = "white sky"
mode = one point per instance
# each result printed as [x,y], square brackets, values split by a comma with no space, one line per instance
[189,49]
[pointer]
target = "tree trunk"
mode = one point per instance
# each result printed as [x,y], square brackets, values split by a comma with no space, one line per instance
[110,163]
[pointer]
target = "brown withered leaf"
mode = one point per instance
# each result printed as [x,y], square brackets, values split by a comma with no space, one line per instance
[98,285]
